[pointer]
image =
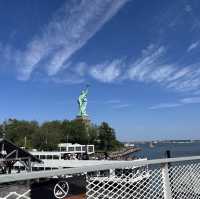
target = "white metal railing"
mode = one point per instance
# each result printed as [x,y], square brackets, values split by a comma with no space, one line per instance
[16,195]
[173,178]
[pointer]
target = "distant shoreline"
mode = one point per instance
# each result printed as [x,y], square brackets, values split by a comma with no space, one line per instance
[163,142]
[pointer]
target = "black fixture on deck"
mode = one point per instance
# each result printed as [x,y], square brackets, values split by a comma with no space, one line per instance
[10,154]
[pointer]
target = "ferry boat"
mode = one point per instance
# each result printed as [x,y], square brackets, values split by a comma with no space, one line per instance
[65,151]
[71,155]
[67,155]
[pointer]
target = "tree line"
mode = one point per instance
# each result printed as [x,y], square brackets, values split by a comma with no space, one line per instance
[46,136]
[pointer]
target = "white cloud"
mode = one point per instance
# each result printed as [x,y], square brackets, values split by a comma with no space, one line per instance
[165,105]
[193,46]
[29,59]
[68,79]
[188,8]
[114,101]
[80,69]
[162,73]
[108,71]
[181,102]
[197,92]
[120,106]
[6,55]
[191,100]
[179,74]
[70,29]
[151,66]
[140,69]
[188,83]
[117,104]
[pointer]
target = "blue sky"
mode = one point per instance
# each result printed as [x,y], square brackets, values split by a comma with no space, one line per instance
[140,57]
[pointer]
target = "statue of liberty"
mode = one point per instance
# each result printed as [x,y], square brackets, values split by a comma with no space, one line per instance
[82,102]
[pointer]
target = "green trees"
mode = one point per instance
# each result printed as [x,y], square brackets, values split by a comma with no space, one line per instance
[107,138]
[20,132]
[47,135]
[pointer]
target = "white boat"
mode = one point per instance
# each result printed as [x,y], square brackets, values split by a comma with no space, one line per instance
[68,155]
[71,156]
[65,151]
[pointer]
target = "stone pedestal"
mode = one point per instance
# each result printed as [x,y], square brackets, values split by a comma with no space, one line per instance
[84,119]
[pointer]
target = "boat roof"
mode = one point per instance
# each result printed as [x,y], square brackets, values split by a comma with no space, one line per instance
[14,152]
[79,163]
[45,152]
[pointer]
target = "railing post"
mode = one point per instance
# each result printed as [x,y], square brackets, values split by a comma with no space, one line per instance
[166,182]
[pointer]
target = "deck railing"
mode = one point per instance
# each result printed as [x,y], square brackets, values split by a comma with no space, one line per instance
[173,178]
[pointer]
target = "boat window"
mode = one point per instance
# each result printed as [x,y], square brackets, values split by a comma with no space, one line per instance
[49,157]
[104,173]
[37,156]
[63,148]
[34,169]
[78,148]
[22,168]
[70,148]
[55,157]
[90,149]
[62,156]
[83,148]
[42,157]
[47,168]
[92,174]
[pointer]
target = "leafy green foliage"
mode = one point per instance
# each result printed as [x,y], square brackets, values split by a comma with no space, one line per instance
[47,135]
[107,138]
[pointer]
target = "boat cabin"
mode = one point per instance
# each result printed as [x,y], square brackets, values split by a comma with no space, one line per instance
[65,151]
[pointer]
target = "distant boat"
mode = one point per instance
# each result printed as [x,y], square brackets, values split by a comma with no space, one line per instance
[129,145]
[152,144]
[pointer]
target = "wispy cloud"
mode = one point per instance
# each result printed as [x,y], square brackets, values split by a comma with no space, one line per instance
[188,8]
[107,71]
[114,101]
[141,68]
[68,79]
[165,105]
[121,106]
[191,100]
[70,29]
[151,66]
[6,55]
[117,104]
[193,46]
[181,102]
[80,69]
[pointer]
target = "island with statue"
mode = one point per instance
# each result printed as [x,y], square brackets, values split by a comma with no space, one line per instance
[29,146]
[47,135]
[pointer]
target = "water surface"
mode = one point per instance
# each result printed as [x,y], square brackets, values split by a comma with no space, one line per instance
[177,150]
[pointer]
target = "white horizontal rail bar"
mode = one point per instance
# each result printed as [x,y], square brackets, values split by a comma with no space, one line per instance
[45,174]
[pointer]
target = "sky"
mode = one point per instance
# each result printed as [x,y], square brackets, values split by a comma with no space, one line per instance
[141,59]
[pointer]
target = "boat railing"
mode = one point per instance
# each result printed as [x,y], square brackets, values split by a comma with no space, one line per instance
[171,178]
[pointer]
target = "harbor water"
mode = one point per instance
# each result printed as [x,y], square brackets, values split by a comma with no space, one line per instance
[176,149]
